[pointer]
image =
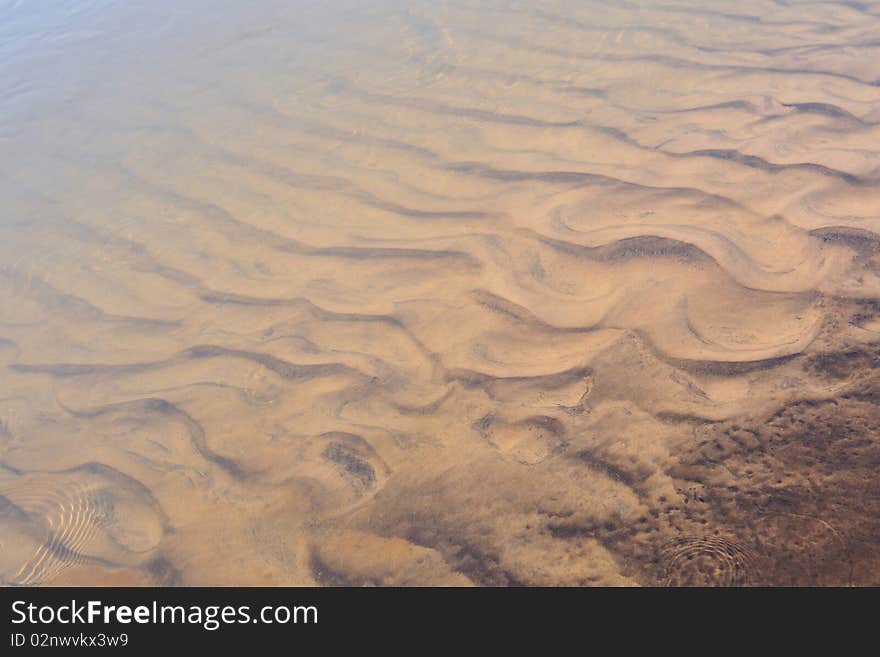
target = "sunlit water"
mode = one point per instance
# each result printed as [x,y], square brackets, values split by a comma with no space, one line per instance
[548,293]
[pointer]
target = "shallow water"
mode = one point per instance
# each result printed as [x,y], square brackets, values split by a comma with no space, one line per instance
[553,293]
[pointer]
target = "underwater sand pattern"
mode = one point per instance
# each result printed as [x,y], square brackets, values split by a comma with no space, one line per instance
[447,293]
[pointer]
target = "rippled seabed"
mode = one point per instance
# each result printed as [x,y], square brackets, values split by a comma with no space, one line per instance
[552,293]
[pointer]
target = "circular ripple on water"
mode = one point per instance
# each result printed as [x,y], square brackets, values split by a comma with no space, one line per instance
[705,561]
[53,521]
[68,521]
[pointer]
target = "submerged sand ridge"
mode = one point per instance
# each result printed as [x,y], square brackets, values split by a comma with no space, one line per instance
[584,294]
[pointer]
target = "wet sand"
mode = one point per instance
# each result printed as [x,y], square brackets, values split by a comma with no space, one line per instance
[408,293]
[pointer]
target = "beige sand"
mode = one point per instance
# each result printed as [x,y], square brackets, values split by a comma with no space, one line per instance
[440,293]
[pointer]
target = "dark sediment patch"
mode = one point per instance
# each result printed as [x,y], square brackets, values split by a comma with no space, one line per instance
[163,573]
[796,491]
[326,576]
[352,463]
